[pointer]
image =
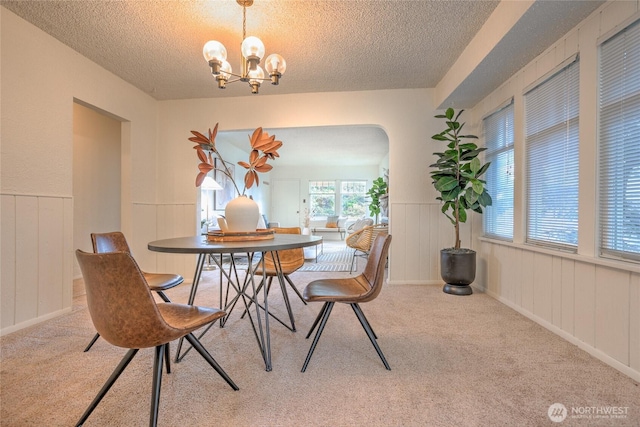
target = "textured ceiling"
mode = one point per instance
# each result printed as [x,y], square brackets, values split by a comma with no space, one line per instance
[329,46]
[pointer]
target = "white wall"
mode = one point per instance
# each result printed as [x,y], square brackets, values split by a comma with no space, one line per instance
[405,115]
[592,302]
[37,165]
[96,177]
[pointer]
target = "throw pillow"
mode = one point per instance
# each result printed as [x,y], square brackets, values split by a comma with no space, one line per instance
[332,222]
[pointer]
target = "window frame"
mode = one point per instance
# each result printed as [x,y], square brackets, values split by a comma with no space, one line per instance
[619,146]
[493,220]
[552,108]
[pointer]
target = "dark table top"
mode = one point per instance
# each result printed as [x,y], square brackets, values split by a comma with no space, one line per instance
[199,244]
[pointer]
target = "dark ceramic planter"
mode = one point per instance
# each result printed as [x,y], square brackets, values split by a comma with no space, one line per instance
[458,270]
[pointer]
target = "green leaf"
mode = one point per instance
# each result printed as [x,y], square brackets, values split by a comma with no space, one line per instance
[483,169]
[446,183]
[485,199]
[471,196]
[477,186]
[475,165]
[468,146]
[450,195]
[439,137]
[449,113]
[462,215]
[468,155]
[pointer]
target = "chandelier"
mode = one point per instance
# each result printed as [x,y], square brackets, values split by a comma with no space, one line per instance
[252,50]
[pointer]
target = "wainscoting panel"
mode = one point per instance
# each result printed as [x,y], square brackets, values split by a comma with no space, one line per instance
[612,324]
[593,305]
[585,302]
[154,222]
[144,231]
[419,232]
[37,259]
[176,221]
[634,322]
[50,254]
[27,254]
[568,296]
[543,286]
[8,271]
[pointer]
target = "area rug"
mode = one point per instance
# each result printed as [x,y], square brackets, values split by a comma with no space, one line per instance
[335,261]
[330,261]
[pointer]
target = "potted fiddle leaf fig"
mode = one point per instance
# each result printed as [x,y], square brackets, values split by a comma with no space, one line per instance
[456,177]
[377,192]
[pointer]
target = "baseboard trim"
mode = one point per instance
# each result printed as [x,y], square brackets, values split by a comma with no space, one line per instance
[598,354]
[34,321]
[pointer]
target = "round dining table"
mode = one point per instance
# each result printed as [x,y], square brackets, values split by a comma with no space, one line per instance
[201,246]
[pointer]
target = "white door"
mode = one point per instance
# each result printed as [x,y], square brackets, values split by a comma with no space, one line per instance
[285,203]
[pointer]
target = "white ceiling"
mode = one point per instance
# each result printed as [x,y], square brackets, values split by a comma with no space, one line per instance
[329,45]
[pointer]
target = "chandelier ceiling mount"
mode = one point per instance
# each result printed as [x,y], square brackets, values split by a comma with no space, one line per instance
[252,50]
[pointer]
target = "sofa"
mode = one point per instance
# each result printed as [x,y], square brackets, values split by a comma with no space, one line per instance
[332,225]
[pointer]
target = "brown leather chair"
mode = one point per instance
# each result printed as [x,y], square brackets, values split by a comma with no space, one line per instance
[290,261]
[350,290]
[159,282]
[125,314]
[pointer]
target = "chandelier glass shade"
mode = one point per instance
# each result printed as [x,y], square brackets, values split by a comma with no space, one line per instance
[253,51]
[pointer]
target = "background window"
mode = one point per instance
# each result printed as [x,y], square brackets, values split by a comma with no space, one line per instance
[552,140]
[619,138]
[322,198]
[498,133]
[353,196]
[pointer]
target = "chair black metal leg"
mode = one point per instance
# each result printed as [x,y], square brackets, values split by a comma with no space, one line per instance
[325,317]
[107,385]
[204,353]
[93,340]
[365,324]
[295,289]
[156,384]
[367,320]
[318,317]
[167,357]
[163,296]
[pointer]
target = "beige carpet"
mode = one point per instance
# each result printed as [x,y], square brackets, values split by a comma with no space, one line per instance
[456,361]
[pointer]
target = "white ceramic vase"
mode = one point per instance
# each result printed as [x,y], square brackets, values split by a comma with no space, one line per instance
[242,215]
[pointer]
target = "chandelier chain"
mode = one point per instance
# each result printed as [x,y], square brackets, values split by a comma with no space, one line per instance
[244,21]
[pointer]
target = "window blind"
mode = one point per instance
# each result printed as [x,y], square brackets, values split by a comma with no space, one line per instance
[551,140]
[619,138]
[498,135]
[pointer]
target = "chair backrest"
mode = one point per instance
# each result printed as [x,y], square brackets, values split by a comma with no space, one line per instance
[359,224]
[109,242]
[122,308]
[373,272]
[290,259]
[360,239]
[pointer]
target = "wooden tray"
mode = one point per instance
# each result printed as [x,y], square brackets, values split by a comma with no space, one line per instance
[231,236]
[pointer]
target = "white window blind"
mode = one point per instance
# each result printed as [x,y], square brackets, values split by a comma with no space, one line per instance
[619,137]
[498,135]
[551,140]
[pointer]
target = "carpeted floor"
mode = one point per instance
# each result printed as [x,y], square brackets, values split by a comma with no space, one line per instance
[456,361]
